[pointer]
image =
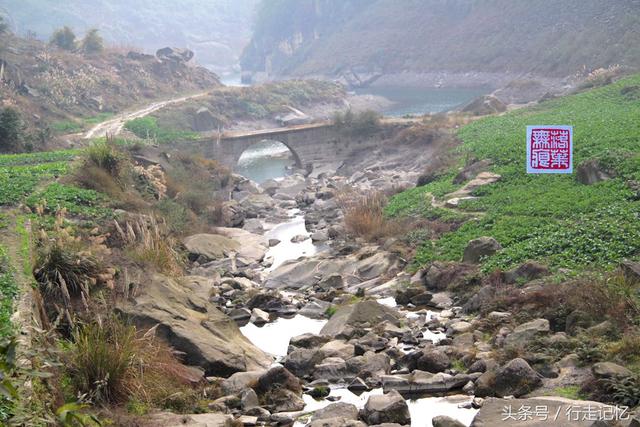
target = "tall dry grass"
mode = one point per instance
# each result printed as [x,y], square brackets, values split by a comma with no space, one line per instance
[149,242]
[111,362]
[364,215]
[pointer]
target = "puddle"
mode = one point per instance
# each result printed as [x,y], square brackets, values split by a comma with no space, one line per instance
[422,410]
[273,338]
[287,250]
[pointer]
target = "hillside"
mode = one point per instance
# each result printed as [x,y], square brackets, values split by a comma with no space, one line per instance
[60,92]
[216,30]
[384,37]
[553,219]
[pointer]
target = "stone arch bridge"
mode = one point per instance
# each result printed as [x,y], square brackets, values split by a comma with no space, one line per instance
[311,145]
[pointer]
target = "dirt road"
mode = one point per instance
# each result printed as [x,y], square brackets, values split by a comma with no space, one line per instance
[114,125]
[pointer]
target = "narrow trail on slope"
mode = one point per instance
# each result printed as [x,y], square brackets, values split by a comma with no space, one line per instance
[114,125]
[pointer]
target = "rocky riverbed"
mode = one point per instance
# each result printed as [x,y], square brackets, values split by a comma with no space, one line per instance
[300,324]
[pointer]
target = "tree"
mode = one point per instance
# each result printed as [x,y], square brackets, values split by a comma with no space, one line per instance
[92,42]
[64,38]
[11,129]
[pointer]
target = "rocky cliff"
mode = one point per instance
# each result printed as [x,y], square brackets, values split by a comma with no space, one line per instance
[361,40]
[216,30]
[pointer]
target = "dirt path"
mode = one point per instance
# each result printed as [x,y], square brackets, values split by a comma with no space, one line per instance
[114,125]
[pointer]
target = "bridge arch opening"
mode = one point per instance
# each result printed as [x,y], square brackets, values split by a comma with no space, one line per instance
[267,159]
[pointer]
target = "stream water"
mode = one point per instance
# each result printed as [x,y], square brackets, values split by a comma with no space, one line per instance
[265,160]
[271,160]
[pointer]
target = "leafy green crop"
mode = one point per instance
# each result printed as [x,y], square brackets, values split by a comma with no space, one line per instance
[551,218]
[8,293]
[16,182]
[37,158]
[76,201]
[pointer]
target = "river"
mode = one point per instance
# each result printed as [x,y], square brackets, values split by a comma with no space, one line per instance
[416,101]
[272,160]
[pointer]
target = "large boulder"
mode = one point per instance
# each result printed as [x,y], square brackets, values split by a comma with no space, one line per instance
[174,54]
[255,205]
[368,312]
[444,421]
[364,265]
[479,248]
[302,361]
[253,247]
[190,323]
[631,270]
[336,410]
[504,413]
[528,271]
[524,334]
[386,408]
[337,348]
[441,275]
[483,105]
[591,172]
[168,419]
[210,247]
[421,382]
[609,370]
[516,378]
[240,381]
[434,361]
[204,120]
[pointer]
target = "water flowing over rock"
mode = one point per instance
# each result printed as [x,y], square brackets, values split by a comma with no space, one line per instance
[191,324]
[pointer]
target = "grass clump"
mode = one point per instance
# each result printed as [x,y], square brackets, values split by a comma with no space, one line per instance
[330,311]
[100,360]
[569,392]
[364,215]
[111,362]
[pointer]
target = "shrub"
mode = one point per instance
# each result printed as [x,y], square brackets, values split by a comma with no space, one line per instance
[362,123]
[112,362]
[143,127]
[64,38]
[175,215]
[106,156]
[150,244]
[623,391]
[100,360]
[92,42]
[148,128]
[64,273]
[11,129]
[364,215]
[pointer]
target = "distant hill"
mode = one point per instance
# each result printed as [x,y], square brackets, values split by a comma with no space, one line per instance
[216,30]
[58,92]
[370,37]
